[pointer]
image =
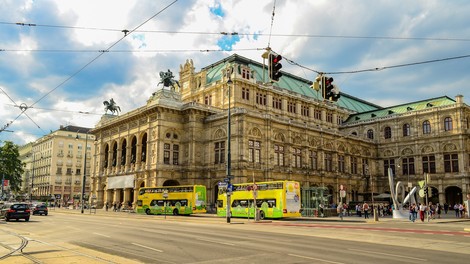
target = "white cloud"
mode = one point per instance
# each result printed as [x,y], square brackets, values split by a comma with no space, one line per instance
[131,77]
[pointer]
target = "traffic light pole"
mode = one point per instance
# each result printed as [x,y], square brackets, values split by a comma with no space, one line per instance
[426,195]
[229,155]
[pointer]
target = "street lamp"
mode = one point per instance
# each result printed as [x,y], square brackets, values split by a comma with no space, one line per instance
[82,197]
[229,155]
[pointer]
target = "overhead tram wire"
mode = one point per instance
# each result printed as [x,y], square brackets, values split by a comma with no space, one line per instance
[270,34]
[378,68]
[94,59]
[130,51]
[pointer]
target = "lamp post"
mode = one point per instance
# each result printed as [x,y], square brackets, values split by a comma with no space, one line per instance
[82,196]
[229,156]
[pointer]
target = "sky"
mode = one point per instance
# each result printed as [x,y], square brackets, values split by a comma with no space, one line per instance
[60,59]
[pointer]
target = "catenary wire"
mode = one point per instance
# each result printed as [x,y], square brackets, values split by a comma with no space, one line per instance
[242,34]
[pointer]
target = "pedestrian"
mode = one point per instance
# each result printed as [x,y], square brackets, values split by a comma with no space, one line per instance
[365,207]
[339,210]
[115,207]
[438,210]
[456,209]
[106,206]
[412,212]
[321,210]
[446,207]
[422,210]
[461,210]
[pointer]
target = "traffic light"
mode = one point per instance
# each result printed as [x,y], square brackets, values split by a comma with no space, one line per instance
[331,92]
[275,67]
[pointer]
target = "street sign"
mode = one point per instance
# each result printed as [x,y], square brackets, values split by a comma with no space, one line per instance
[229,188]
[223,185]
[226,179]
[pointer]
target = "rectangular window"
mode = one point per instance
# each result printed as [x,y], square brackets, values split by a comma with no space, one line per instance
[317,114]
[291,107]
[208,100]
[279,155]
[341,167]
[313,160]
[254,151]
[176,149]
[277,103]
[451,163]
[408,165]
[389,163]
[166,153]
[297,157]
[219,152]
[77,171]
[329,117]
[353,165]
[328,162]
[305,111]
[245,94]
[260,99]
[429,164]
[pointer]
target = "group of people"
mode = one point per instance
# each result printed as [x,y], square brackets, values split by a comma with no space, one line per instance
[434,210]
[117,206]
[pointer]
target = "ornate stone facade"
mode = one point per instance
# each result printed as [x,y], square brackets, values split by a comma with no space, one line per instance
[180,137]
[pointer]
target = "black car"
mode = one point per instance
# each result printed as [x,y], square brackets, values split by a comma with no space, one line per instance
[40,209]
[16,211]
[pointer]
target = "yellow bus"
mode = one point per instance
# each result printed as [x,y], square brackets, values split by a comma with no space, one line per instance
[175,200]
[274,199]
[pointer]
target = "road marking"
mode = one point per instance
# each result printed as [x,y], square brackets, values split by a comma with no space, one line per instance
[154,249]
[317,259]
[217,242]
[101,235]
[385,254]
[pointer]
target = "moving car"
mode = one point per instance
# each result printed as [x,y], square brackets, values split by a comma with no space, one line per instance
[16,211]
[40,209]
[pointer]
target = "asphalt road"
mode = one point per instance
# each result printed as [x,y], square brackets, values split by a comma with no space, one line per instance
[64,237]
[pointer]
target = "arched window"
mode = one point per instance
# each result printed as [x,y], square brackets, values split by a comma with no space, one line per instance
[388,132]
[406,130]
[426,127]
[370,134]
[448,124]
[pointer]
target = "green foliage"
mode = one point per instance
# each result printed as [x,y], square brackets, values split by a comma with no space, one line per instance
[11,166]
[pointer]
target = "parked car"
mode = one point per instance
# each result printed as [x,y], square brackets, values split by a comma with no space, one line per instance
[16,211]
[40,209]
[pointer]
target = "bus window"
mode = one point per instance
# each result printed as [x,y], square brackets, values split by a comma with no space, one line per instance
[220,203]
[139,202]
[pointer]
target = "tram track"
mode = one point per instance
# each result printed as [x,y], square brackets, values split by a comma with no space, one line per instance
[16,252]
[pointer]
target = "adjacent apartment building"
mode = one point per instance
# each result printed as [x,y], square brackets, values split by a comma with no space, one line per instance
[55,165]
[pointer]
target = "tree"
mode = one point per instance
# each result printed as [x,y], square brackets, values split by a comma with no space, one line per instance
[11,166]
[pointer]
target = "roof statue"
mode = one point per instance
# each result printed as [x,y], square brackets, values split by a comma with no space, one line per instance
[111,106]
[168,80]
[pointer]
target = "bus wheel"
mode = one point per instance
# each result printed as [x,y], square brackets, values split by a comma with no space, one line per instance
[175,212]
[261,215]
[147,211]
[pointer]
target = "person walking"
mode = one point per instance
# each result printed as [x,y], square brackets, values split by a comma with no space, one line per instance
[365,207]
[106,206]
[339,210]
[422,210]
[412,212]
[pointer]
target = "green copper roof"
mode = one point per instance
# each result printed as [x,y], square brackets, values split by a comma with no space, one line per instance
[400,109]
[288,82]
